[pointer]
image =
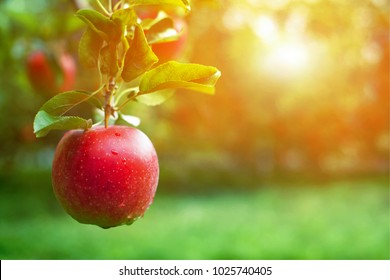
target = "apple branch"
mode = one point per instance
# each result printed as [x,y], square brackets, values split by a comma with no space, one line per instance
[108,93]
[104,10]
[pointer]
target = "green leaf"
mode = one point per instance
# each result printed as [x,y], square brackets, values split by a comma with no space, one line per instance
[124,17]
[155,98]
[102,25]
[109,60]
[89,48]
[63,102]
[175,75]
[139,57]
[162,31]
[44,123]
[180,3]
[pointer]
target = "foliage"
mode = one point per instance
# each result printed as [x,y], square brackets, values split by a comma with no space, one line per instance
[116,44]
[23,29]
[305,85]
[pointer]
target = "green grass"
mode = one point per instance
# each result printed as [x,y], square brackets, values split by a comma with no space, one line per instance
[339,220]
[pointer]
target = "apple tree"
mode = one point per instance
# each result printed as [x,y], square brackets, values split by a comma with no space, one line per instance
[104,173]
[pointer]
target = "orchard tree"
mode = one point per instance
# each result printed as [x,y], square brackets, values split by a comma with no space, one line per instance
[104,173]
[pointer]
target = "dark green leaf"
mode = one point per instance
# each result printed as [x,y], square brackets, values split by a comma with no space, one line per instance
[139,57]
[102,25]
[89,48]
[63,102]
[109,60]
[44,123]
[172,75]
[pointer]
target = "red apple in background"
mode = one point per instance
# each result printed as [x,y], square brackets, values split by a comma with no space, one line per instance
[50,75]
[105,176]
[26,132]
[171,50]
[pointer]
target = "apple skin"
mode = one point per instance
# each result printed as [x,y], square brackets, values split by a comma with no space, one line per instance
[42,74]
[105,176]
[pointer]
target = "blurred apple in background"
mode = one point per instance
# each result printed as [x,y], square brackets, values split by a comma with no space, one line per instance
[50,74]
[173,49]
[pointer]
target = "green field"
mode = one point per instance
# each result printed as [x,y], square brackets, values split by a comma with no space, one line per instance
[335,220]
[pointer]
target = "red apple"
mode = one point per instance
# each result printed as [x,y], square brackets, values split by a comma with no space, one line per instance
[46,78]
[105,176]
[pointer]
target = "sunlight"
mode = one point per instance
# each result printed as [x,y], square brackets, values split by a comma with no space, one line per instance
[286,58]
[290,56]
[266,29]
[285,53]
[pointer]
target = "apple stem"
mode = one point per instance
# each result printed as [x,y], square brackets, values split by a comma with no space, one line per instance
[108,109]
[110,6]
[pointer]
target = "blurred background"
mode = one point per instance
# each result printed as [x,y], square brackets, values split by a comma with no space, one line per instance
[289,160]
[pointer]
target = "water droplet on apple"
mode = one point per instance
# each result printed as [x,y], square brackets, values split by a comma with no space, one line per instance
[117,134]
[114,152]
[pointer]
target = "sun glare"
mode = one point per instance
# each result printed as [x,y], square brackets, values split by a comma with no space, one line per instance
[282,52]
[266,29]
[291,56]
